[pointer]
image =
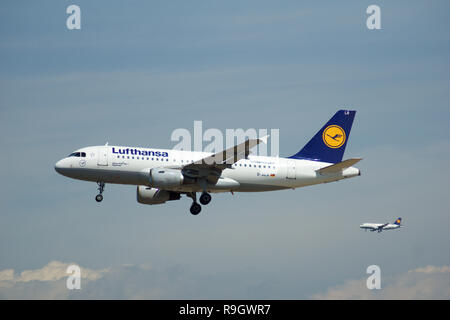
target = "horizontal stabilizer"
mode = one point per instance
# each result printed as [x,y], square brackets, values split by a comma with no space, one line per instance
[338,167]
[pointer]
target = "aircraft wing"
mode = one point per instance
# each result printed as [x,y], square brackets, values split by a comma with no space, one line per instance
[211,167]
[382,226]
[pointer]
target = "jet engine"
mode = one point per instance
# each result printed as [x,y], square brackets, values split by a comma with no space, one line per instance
[147,195]
[167,178]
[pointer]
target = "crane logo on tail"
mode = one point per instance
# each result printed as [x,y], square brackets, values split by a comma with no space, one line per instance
[333,136]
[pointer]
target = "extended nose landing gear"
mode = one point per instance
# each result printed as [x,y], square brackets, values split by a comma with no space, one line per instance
[101,188]
[205,198]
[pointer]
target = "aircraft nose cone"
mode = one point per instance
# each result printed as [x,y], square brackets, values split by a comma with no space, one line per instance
[59,166]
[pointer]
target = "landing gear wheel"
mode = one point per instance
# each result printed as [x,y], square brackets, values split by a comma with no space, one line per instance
[205,198]
[101,188]
[195,208]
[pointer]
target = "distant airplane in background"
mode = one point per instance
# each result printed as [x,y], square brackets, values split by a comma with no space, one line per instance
[164,175]
[382,226]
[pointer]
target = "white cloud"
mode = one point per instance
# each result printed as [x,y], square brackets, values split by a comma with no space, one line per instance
[428,282]
[150,282]
[48,282]
[123,282]
[53,271]
[432,269]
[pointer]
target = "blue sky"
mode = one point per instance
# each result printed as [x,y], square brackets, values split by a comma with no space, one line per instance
[135,73]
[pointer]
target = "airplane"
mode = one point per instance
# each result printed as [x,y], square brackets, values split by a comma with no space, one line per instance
[382,226]
[163,175]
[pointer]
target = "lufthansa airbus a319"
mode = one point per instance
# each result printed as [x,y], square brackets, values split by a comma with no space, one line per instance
[163,175]
[382,226]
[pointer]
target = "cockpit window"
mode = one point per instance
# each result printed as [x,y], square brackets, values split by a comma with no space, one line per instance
[78,154]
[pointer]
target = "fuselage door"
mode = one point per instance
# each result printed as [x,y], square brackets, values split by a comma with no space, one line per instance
[102,156]
[290,173]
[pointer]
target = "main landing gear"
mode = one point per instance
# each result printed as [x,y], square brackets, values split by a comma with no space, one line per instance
[101,188]
[195,208]
[205,198]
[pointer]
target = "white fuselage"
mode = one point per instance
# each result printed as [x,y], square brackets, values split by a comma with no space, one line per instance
[376,226]
[131,165]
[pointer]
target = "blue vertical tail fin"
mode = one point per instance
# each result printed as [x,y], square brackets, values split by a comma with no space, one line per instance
[328,145]
[398,221]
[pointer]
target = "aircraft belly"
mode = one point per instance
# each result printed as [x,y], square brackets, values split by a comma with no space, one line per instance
[105,175]
[251,187]
[231,181]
